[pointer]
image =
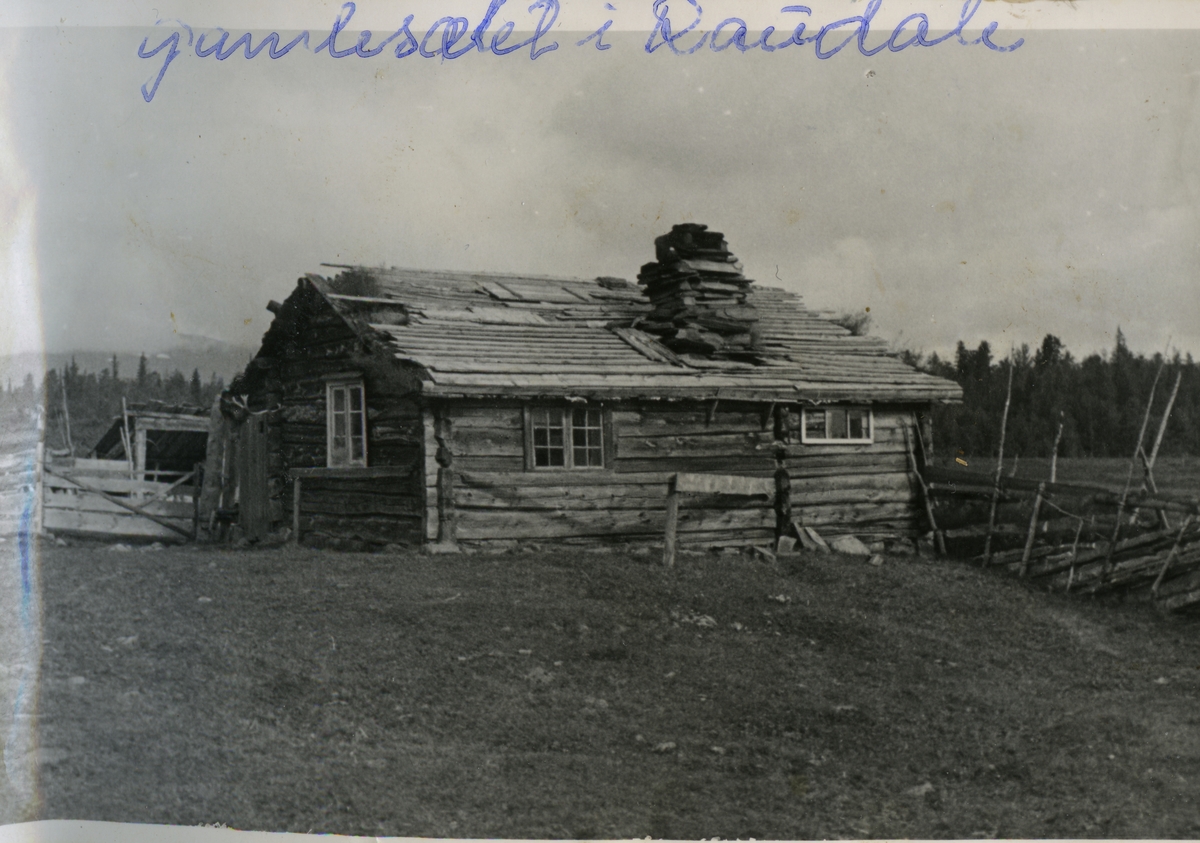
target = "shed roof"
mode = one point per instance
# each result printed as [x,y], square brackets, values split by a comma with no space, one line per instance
[486,334]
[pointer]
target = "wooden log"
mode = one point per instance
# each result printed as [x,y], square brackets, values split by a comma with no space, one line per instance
[724,484]
[1148,462]
[1134,572]
[1132,462]
[139,452]
[939,538]
[488,442]
[952,480]
[355,472]
[752,442]
[1139,544]
[1174,549]
[514,464]
[448,513]
[296,480]
[762,464]
[378,530]
[482,524]
[672,523]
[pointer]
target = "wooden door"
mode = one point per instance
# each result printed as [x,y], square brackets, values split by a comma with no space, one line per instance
[253,513]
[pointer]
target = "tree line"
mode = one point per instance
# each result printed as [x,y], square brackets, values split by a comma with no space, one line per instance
[1101,400]
[82,404]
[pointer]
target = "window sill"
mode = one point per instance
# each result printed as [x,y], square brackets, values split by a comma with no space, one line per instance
[837,441]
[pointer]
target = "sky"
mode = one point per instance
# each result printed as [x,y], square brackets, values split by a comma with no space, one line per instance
[956,192]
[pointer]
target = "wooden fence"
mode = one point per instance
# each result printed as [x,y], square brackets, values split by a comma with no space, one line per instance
[1081,538]
[104,498]
[21,436]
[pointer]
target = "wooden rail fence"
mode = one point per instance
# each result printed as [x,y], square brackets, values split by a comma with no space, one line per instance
[1082,538]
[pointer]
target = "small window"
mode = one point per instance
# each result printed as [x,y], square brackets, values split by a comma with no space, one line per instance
[346,424]
[837,425]
[565,437]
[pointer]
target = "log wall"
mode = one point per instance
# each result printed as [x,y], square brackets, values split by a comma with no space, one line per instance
[861,489]
[351,512]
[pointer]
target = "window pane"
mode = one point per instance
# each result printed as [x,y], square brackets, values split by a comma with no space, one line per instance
[549,445]
[356,398]
[837,423]
[339,399]
[814,424]
[857,423]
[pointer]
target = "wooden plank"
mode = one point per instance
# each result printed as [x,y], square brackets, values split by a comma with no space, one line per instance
[724,484]
[162,422]
[90,464]
[90,502]
[108,525]
[116,485]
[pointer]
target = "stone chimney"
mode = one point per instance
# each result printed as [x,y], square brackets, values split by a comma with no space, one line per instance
[699,295]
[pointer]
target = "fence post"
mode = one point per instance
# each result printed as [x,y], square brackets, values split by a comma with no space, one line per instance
[987,543]
[1037,501]
[1112,544]
[939,539]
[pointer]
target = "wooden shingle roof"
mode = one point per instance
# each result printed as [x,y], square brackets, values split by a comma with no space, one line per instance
[477,334]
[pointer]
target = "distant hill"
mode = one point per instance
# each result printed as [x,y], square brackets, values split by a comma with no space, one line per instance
[210,356]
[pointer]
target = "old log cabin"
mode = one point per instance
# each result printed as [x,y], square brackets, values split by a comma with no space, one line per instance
[412,406]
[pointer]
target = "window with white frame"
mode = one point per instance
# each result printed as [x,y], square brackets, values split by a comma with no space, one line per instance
[837,425]
[565,437]
[346,424]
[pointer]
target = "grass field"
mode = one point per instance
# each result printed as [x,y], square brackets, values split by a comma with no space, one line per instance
[580,695]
